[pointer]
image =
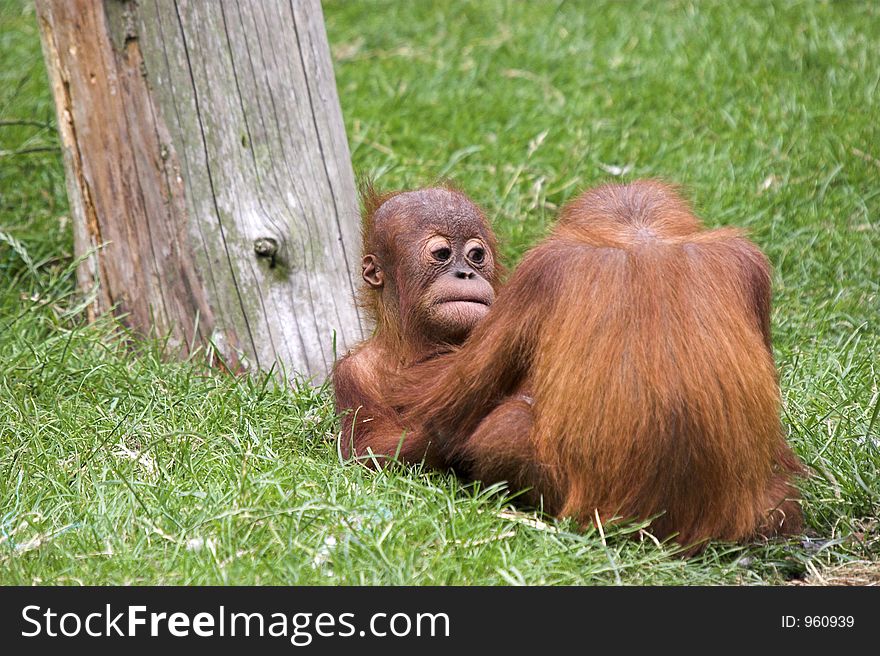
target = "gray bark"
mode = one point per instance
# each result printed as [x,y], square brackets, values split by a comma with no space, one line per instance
[209,175]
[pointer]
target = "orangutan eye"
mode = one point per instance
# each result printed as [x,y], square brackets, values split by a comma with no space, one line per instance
[442,254]
[477,255]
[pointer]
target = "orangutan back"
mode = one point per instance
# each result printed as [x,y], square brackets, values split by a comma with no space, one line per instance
[660,394]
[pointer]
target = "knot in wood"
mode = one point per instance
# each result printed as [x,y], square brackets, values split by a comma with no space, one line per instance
[266,247]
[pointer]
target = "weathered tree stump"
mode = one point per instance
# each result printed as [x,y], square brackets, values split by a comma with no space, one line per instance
[208,173]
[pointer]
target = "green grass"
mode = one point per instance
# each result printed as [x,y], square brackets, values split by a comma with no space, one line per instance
[119,464]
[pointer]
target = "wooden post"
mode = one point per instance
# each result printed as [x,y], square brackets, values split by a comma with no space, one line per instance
[208,173]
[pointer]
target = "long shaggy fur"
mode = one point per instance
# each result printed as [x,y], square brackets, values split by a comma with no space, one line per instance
[641,342]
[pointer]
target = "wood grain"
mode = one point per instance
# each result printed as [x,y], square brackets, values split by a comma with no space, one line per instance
[209,175]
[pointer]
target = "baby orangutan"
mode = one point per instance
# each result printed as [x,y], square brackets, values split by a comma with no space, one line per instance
[430,274]
[625,370]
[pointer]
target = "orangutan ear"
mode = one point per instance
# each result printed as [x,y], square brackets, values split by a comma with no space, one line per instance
[372,274]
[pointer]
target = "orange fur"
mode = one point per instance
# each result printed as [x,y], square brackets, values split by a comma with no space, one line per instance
[643,342]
